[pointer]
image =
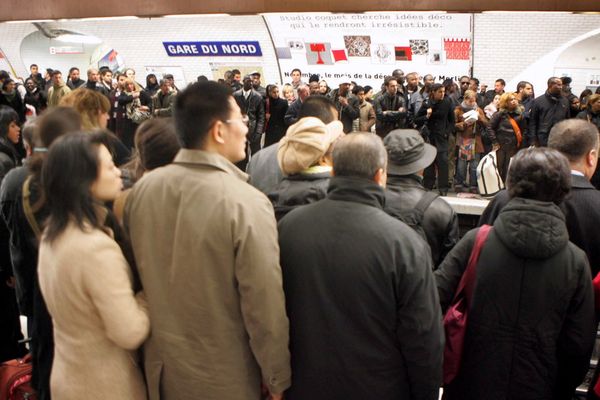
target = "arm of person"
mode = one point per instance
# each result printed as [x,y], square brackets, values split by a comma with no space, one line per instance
[124,98]
[291,115]
[107,280]
[448,275]
[260,287]
[352,109]
[418,316]
[460,123]
[260,116]
[578,334]
[451,237]
[371,119]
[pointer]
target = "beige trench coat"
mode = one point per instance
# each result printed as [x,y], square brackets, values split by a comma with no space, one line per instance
[205,242]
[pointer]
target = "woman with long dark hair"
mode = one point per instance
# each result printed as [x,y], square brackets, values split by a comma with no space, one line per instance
[85,279]
[10,330]
[10,131]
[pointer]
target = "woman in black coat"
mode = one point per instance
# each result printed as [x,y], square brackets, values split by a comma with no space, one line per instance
[531,324]
[275,109]
[10,329]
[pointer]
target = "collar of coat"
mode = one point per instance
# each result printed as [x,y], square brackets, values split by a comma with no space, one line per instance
[214,160]
[356,190]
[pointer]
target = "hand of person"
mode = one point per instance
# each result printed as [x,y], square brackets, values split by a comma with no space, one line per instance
[11,282]
[429,111]
[276,396]
[144,108]
[135,95]
[402,109]
[343,101]
[469,122]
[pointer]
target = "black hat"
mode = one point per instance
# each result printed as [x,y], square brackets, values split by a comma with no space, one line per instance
[407,152]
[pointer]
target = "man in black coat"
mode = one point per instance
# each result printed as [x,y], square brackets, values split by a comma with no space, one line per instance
[251,103]
[360,295]
[548,110]
[438,114]
[390,108]
[408,200]
[578,141]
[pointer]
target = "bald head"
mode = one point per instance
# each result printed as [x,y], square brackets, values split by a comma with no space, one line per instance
[359,155]
[576,139]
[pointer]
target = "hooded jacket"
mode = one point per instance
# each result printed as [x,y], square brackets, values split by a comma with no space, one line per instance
[531,319]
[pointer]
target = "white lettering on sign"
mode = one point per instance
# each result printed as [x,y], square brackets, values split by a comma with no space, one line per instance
[238,49]
[184,49]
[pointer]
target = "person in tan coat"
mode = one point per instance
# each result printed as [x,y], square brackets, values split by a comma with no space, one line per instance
[205,243]
[85,279]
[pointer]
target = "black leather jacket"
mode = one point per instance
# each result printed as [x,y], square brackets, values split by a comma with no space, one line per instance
[440,222]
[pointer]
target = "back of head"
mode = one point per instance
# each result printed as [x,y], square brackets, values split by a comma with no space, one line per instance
[89,104]
[156,143]
[54,123]
[319,107]
[67,176]
[359,155]
[197,108]
[540,174]
[305,144]
[574,138]
[7,115]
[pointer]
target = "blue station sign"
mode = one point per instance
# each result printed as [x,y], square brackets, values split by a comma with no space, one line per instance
[213,49]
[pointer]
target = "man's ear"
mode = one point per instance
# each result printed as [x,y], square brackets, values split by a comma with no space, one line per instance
[216,132]
[380,177]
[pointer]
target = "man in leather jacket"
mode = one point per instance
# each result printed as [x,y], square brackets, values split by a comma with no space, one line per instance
[407,199]
[548,110]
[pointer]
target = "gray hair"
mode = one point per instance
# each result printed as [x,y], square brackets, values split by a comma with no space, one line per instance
[359,155]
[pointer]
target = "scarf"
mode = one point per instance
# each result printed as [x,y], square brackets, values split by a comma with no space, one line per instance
[467,108]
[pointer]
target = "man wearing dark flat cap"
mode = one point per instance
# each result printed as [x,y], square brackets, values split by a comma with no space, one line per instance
[407,198]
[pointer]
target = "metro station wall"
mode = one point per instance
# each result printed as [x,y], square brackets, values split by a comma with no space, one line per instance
[513,46]
[526,46]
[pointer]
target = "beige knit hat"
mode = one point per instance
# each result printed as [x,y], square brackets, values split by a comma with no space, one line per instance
[305,143]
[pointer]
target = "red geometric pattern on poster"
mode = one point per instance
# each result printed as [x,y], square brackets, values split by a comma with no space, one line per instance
[457,49]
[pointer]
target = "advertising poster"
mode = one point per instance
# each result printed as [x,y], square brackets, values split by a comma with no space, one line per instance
[366,47]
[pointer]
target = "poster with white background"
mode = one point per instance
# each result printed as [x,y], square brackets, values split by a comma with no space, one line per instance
[366,47]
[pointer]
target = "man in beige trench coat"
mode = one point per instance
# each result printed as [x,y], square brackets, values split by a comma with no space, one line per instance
[205,243]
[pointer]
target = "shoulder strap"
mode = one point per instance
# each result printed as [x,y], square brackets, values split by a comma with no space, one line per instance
[423,205]
[28,211]
[467,282]
[516,128]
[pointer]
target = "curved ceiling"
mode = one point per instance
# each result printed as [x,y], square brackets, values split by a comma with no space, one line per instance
[55,9]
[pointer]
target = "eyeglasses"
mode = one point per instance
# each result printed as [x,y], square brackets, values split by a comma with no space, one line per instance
[244,120]
[464,83]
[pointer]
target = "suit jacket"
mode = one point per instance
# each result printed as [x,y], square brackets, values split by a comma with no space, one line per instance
[205,243]
[254,108]
[582,212]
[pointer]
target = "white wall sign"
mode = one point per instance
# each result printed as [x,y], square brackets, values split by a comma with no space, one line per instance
[367,47]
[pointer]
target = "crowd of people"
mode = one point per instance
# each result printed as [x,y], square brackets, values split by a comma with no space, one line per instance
[221,241]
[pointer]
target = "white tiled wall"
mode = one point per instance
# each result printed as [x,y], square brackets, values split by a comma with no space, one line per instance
[507,44]
[139,41]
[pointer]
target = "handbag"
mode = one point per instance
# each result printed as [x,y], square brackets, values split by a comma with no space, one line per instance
[15,379]
[455,320]
[135,114]
[489,181]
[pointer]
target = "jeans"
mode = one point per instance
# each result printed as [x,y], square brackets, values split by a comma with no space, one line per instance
[461,170]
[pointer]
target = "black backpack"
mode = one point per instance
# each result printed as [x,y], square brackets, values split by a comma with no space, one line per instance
[413,217]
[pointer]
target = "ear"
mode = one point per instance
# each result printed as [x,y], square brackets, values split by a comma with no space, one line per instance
[380,177]
[216,132]
[592,157]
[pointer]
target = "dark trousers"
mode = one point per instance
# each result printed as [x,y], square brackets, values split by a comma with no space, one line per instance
[440,165]
[10,325]
[504,153]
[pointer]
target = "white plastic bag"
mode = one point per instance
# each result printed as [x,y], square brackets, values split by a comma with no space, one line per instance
[488,177]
